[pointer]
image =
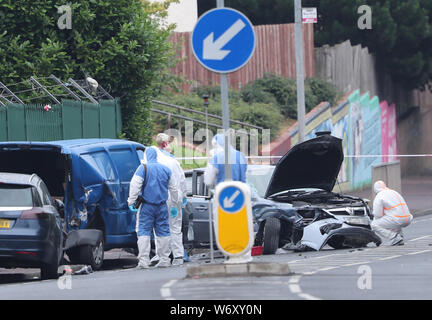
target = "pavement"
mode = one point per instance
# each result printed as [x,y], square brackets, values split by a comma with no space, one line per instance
[417,192]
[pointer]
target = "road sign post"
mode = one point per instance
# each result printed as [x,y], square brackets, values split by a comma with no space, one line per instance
[233,223]
[223,41]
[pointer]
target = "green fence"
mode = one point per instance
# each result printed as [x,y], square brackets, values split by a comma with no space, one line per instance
[69,120]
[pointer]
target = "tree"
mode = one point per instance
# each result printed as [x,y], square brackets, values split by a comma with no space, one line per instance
[120,43]
[400,37]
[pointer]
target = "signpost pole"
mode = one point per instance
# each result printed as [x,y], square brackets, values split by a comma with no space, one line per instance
[213,31]
[225,114]
[226,124]
[299,70]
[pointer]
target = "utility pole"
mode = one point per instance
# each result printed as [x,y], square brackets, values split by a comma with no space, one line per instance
[299,70]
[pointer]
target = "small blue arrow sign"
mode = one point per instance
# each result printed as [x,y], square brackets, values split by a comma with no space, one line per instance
[231,199]
[223,40]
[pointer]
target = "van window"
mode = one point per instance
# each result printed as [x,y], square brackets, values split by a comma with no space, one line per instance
[125,162]
[101,160]
[140,153]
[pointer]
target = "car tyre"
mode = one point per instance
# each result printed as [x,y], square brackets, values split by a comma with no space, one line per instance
[271,236]
[49,270]
[337,242]
[88,254]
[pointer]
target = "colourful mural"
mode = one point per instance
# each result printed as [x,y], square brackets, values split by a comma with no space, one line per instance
[368,130]
[388,132]
[365,138]
[340,121]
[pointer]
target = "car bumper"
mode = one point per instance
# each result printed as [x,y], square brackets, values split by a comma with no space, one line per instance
[316,238]
[356,235]
[26,253]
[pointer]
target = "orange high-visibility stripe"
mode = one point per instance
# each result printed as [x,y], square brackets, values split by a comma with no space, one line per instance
[398,205]
[400,200]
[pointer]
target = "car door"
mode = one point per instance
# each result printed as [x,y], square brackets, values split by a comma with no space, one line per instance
[57,228]
[198,209]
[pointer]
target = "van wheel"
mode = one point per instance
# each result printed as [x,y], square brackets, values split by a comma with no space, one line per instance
[271,236]
[89,255]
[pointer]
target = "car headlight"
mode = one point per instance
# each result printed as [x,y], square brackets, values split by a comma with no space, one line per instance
[357,220]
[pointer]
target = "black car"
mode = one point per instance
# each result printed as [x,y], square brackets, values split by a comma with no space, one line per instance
[30,225]
[293,203]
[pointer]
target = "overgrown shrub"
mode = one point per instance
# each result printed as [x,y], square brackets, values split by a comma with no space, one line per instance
[283,91]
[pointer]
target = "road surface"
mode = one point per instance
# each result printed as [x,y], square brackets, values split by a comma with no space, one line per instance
[401,272]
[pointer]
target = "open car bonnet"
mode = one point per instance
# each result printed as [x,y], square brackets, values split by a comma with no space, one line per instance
[314,163]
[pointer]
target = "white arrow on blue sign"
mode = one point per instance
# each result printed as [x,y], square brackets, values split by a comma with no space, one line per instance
[231,199]
[223,40]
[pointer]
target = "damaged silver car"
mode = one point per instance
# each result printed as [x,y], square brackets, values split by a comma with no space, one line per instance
[299,209]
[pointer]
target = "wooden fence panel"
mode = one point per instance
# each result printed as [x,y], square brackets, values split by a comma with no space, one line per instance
[274,53]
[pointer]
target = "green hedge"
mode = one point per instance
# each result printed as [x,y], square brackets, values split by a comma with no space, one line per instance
[264,102]
[283,91]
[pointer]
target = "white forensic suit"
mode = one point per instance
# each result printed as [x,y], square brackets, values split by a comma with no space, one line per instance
[155,182]
[391,214]
[174,203]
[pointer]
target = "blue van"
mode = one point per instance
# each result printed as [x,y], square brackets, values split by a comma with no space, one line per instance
[91,178]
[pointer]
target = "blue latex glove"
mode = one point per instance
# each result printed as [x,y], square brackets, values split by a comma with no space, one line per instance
[131,208]
[173,212]
[184,202]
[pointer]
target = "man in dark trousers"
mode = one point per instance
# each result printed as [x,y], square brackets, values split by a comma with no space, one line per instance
[152,181]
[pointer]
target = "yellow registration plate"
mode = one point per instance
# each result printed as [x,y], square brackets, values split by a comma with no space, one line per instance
[5,224]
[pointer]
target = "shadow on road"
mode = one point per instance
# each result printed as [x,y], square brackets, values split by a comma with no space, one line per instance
[21,275]
[10,276]
[122,263]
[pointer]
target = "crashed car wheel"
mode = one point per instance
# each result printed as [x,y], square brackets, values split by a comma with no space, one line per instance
[339,242]
[271,236]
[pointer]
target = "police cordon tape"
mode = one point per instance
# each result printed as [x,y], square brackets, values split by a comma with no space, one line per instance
[346,156]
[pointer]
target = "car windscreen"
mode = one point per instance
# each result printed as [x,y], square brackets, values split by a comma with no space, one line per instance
[258,178]
[14,195]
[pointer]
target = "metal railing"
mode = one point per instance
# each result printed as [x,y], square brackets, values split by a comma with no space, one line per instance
[202,113]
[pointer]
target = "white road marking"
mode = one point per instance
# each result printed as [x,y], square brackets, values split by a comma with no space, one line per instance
[311,265]
[329,268]
[356,263]
[416,239]
[391,257]
[417,252]
[308,296]
[295,288]
[373,254]
[166,291]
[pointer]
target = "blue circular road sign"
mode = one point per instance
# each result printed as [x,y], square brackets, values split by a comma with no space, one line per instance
[223,40]
[231,199]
